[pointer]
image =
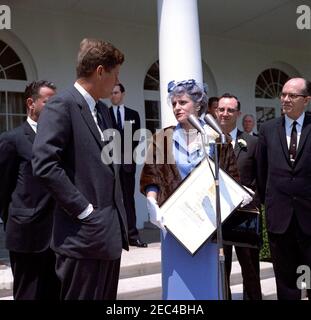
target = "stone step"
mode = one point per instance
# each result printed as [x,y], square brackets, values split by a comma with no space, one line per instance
[266,271]
[146,287]
[141,261]
[6,277]
[268,289]
[144,261]
[140,274]
[149,286]
[6,294]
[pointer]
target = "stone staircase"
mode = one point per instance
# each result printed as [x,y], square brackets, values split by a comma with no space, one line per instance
[140,276]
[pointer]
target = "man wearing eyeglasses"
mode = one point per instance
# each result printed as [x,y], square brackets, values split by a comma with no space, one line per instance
[244,146]
[284,183]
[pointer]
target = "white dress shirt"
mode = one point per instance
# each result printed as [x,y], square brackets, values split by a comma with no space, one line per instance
[33,124]
[91,103]
[289,126]
[122,112]
[233,135]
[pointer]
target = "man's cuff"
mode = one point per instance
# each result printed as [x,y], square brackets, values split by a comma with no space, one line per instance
[152,187]
[89,209]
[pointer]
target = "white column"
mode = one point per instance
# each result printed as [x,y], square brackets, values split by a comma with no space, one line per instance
[179,48]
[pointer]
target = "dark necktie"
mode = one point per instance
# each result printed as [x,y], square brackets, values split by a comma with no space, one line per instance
[99,117]
[119,121]
[293,143]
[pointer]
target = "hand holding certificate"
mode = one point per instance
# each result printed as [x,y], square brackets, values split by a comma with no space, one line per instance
[190,212]
[155,214]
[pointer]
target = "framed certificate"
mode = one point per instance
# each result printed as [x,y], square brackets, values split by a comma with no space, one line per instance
[190,212]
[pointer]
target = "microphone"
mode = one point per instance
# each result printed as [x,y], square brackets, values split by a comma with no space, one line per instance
[211,121]
[196,123]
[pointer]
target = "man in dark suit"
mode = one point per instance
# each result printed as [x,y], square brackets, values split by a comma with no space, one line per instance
[26,205]
[90,225]
[244,146]
[284,184]
[127,122]
[248,123]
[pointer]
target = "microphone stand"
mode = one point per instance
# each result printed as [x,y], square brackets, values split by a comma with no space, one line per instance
[223,294]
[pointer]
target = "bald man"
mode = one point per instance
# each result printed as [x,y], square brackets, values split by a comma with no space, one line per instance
[284,185]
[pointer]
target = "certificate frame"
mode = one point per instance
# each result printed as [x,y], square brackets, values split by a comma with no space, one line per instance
[190,212]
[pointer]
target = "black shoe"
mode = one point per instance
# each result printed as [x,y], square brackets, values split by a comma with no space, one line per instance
[138,243]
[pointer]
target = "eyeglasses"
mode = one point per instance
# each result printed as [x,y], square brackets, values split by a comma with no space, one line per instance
[229,110]
[188,84]
[291,96]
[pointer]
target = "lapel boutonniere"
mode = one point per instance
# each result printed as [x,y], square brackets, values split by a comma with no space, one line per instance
[242,143]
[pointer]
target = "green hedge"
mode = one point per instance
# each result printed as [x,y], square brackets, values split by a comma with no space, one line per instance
[265,249]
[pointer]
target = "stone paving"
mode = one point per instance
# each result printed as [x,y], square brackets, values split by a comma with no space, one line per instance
[4,254]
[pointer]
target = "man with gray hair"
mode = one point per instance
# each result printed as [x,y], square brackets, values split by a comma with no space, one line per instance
[248,123]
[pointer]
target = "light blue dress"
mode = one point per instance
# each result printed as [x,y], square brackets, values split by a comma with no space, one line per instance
[187,277]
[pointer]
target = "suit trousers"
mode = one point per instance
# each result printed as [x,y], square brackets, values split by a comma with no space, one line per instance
[128,188]
[249,261]
[34,276]
[87,279]
[289,250]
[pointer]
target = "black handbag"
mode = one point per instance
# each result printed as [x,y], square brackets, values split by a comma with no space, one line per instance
[243,228]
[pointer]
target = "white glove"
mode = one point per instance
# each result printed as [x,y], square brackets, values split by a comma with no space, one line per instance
[247,198]
[155,214]
[250,191]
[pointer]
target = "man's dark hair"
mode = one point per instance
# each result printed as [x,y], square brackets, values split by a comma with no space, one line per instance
[211,100]
[230,96]
[307,90]
[122,89]
[93,53]
[32,90]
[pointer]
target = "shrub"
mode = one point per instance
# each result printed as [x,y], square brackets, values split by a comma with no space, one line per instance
[264,254]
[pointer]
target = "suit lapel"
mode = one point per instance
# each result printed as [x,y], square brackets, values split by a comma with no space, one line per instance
[306,128]
[103,109]
[282,135]
[87,116]
[29,132]
[127,114]
[237,149]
